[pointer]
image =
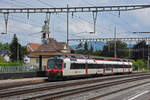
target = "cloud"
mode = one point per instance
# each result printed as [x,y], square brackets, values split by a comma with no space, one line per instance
[58,29]
[143,16]
[80,27]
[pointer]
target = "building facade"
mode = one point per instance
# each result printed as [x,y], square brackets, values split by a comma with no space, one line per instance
[50,47]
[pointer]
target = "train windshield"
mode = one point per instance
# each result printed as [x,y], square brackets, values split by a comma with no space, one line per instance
[54,64]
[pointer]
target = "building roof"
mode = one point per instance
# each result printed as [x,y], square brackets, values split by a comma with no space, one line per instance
[3,53]
[52,45]
[32,46]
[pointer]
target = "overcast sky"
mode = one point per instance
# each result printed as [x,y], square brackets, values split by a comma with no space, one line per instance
[28,30]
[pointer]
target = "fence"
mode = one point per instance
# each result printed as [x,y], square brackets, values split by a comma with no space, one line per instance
[14,69]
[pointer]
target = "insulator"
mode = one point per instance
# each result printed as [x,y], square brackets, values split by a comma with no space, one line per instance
[119,14]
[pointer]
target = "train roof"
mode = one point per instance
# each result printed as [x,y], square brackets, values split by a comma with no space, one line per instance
[81,56]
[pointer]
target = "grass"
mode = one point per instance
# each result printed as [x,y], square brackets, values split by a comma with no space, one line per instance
[143,70]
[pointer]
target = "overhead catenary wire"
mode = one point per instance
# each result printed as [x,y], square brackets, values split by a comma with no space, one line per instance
[45,3]
[119,17]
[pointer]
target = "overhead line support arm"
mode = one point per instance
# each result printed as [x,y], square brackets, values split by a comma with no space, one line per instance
[73,9]
[111,39]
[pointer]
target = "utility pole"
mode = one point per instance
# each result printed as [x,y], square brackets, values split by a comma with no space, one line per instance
[17,52]
[67,27]
[148,67]
[115,52]
[6,21]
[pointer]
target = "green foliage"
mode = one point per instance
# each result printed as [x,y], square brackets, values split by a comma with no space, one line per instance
[91,50]
[79,45]
[140,51]
[121,49]
[86,46]
[96,53]
[14,49]
[4,46]
[140,64]
[1,59]
[11,63]
[84,49]
[3,63]
[17,51]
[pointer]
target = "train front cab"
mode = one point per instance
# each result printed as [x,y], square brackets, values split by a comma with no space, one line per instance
[54,69]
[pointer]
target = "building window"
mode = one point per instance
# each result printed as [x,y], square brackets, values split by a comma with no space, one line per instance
[37,60]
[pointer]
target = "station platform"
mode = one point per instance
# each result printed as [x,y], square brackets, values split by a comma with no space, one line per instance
[20,82]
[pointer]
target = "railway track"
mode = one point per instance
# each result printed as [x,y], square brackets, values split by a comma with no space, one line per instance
[106,94]
[61,94]
[4,94]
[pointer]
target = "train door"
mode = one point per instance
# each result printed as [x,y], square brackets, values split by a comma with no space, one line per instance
[66,68]
[112,70]
[108,68]
[86,69]
[104,69]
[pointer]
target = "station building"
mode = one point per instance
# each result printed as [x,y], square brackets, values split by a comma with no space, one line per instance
[45,50]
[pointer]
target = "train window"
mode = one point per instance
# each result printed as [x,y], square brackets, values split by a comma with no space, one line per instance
[117,66]
[54,63]
[95,66]
[108,67]
[90,66]
[77,66]
[127,66]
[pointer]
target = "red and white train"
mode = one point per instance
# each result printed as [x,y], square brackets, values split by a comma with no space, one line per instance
[61,66]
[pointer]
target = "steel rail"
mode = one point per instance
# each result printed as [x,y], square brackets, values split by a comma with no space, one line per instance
[117,91]
[4,94]
[58,95]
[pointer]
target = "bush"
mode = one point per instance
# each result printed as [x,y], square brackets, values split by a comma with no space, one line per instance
[11,63]
[1,59]
[140,64]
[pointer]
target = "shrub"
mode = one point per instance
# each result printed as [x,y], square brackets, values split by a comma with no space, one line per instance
[140,64]
[11,63]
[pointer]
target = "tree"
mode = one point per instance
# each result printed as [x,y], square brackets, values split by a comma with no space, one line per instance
[140,64]
[4,46]
[91,50]
[121,49]
[14,49]
[96,53]
[1,59]
[85,51]
[85,46]
[140,51]
[22,52]
[17,51]
[79,46]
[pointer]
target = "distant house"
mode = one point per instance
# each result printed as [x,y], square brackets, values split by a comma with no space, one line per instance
[5,55]
[32,47]
[47,49]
